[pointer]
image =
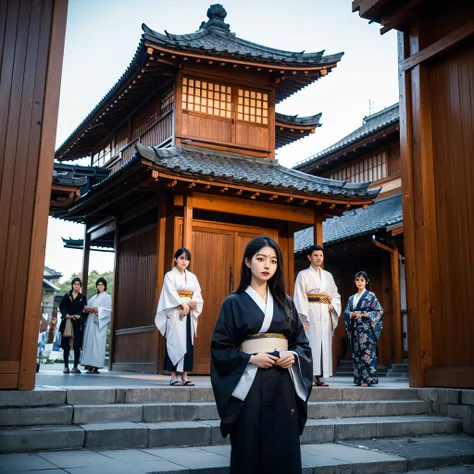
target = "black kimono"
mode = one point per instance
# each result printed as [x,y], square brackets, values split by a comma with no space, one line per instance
[266,425]
[72,306]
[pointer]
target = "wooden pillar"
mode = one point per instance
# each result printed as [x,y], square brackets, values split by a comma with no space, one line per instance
[419,213]
[396,305]
[291,258]
[160,275]
[318,228]
[116,290]
[85,260]
[44,107]
[188,223]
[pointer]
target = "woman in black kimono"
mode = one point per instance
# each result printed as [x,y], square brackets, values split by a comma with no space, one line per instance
[261,367]
[71,308]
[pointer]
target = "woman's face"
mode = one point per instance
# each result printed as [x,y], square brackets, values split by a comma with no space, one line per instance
[360,282]
[263,265]
[100,287]
[76,287]
[182,261]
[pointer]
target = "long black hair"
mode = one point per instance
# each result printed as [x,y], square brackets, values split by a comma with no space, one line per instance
[101,280]
[276,284]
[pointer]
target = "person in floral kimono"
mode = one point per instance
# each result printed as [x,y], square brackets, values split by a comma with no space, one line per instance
[363,318]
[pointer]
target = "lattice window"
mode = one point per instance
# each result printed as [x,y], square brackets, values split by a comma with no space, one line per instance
[207,97]
[371,169]
[252,106]
[167,99]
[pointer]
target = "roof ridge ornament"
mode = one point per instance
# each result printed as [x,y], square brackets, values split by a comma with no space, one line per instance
[216,14]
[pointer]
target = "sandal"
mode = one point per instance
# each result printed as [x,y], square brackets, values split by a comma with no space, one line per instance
[66,370]
[319,383]
[188,383]
[176,382]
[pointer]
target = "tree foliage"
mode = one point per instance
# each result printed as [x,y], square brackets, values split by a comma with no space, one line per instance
[65,286]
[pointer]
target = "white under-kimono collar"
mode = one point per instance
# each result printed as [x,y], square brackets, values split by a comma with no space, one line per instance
[267,308]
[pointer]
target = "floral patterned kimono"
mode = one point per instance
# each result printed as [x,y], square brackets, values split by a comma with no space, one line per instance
[363,334]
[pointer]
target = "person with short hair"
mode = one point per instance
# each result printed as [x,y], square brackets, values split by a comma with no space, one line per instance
[71,308]
[177,315]
[318,303]
[363,318]
[96,328]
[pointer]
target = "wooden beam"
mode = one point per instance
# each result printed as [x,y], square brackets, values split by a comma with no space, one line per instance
[48,124]
[85,260]
[399,15]
[188,223]
[284,212]
[440,46]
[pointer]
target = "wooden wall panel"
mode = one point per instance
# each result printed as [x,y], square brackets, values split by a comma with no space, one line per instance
[135,304]
[31,49]
[452,102]
[206,128]
[134,349]
[251,136]
[210,247]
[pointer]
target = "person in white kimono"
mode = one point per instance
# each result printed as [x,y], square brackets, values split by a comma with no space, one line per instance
[319,305]
[177,315]
[96,330]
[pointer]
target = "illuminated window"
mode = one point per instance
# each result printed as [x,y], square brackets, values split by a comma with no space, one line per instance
[207,97]
[252,106]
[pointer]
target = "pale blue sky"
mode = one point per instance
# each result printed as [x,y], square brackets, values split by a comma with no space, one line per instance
[102,37]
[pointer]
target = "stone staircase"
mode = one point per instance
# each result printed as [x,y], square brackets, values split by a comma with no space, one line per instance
[345,369]
[125,418]
[400,371]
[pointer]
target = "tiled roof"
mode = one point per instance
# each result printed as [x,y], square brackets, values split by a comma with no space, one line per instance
[290,128]
[371,124]
[214,37]
[260,172]
[353,223]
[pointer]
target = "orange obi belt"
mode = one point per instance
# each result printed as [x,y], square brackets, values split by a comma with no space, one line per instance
[322,298]
[185,293]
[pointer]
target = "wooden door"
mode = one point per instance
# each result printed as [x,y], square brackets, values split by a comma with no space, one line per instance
[211,264]
[216,260]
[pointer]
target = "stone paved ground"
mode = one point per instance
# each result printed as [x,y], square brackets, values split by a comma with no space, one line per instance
[50,375]
[361,457]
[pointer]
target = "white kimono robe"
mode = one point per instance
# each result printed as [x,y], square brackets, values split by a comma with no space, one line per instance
[167,319]
[322,323]
[95,334]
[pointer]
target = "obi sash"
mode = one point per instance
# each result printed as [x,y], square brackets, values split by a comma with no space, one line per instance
[264,342]
[319,298]
[185,293]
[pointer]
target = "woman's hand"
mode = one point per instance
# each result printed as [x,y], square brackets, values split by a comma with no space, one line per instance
[286,361]
[193,304]
[263,360]
[306,325]
[76,316]
[186,309]
[330,307]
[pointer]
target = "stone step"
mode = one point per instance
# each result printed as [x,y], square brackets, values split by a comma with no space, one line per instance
[105,396]
[389,456]
[192,411]
[126,435]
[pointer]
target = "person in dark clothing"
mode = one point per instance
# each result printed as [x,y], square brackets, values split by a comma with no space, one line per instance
[71,327]
[261,367]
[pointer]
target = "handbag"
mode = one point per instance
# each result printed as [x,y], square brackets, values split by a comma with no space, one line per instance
[68,329]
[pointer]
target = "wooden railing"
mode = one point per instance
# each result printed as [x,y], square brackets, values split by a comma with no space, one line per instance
[155,135]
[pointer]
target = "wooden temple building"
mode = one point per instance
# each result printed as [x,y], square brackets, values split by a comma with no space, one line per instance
[188,137]
[436,82]
[368,239]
